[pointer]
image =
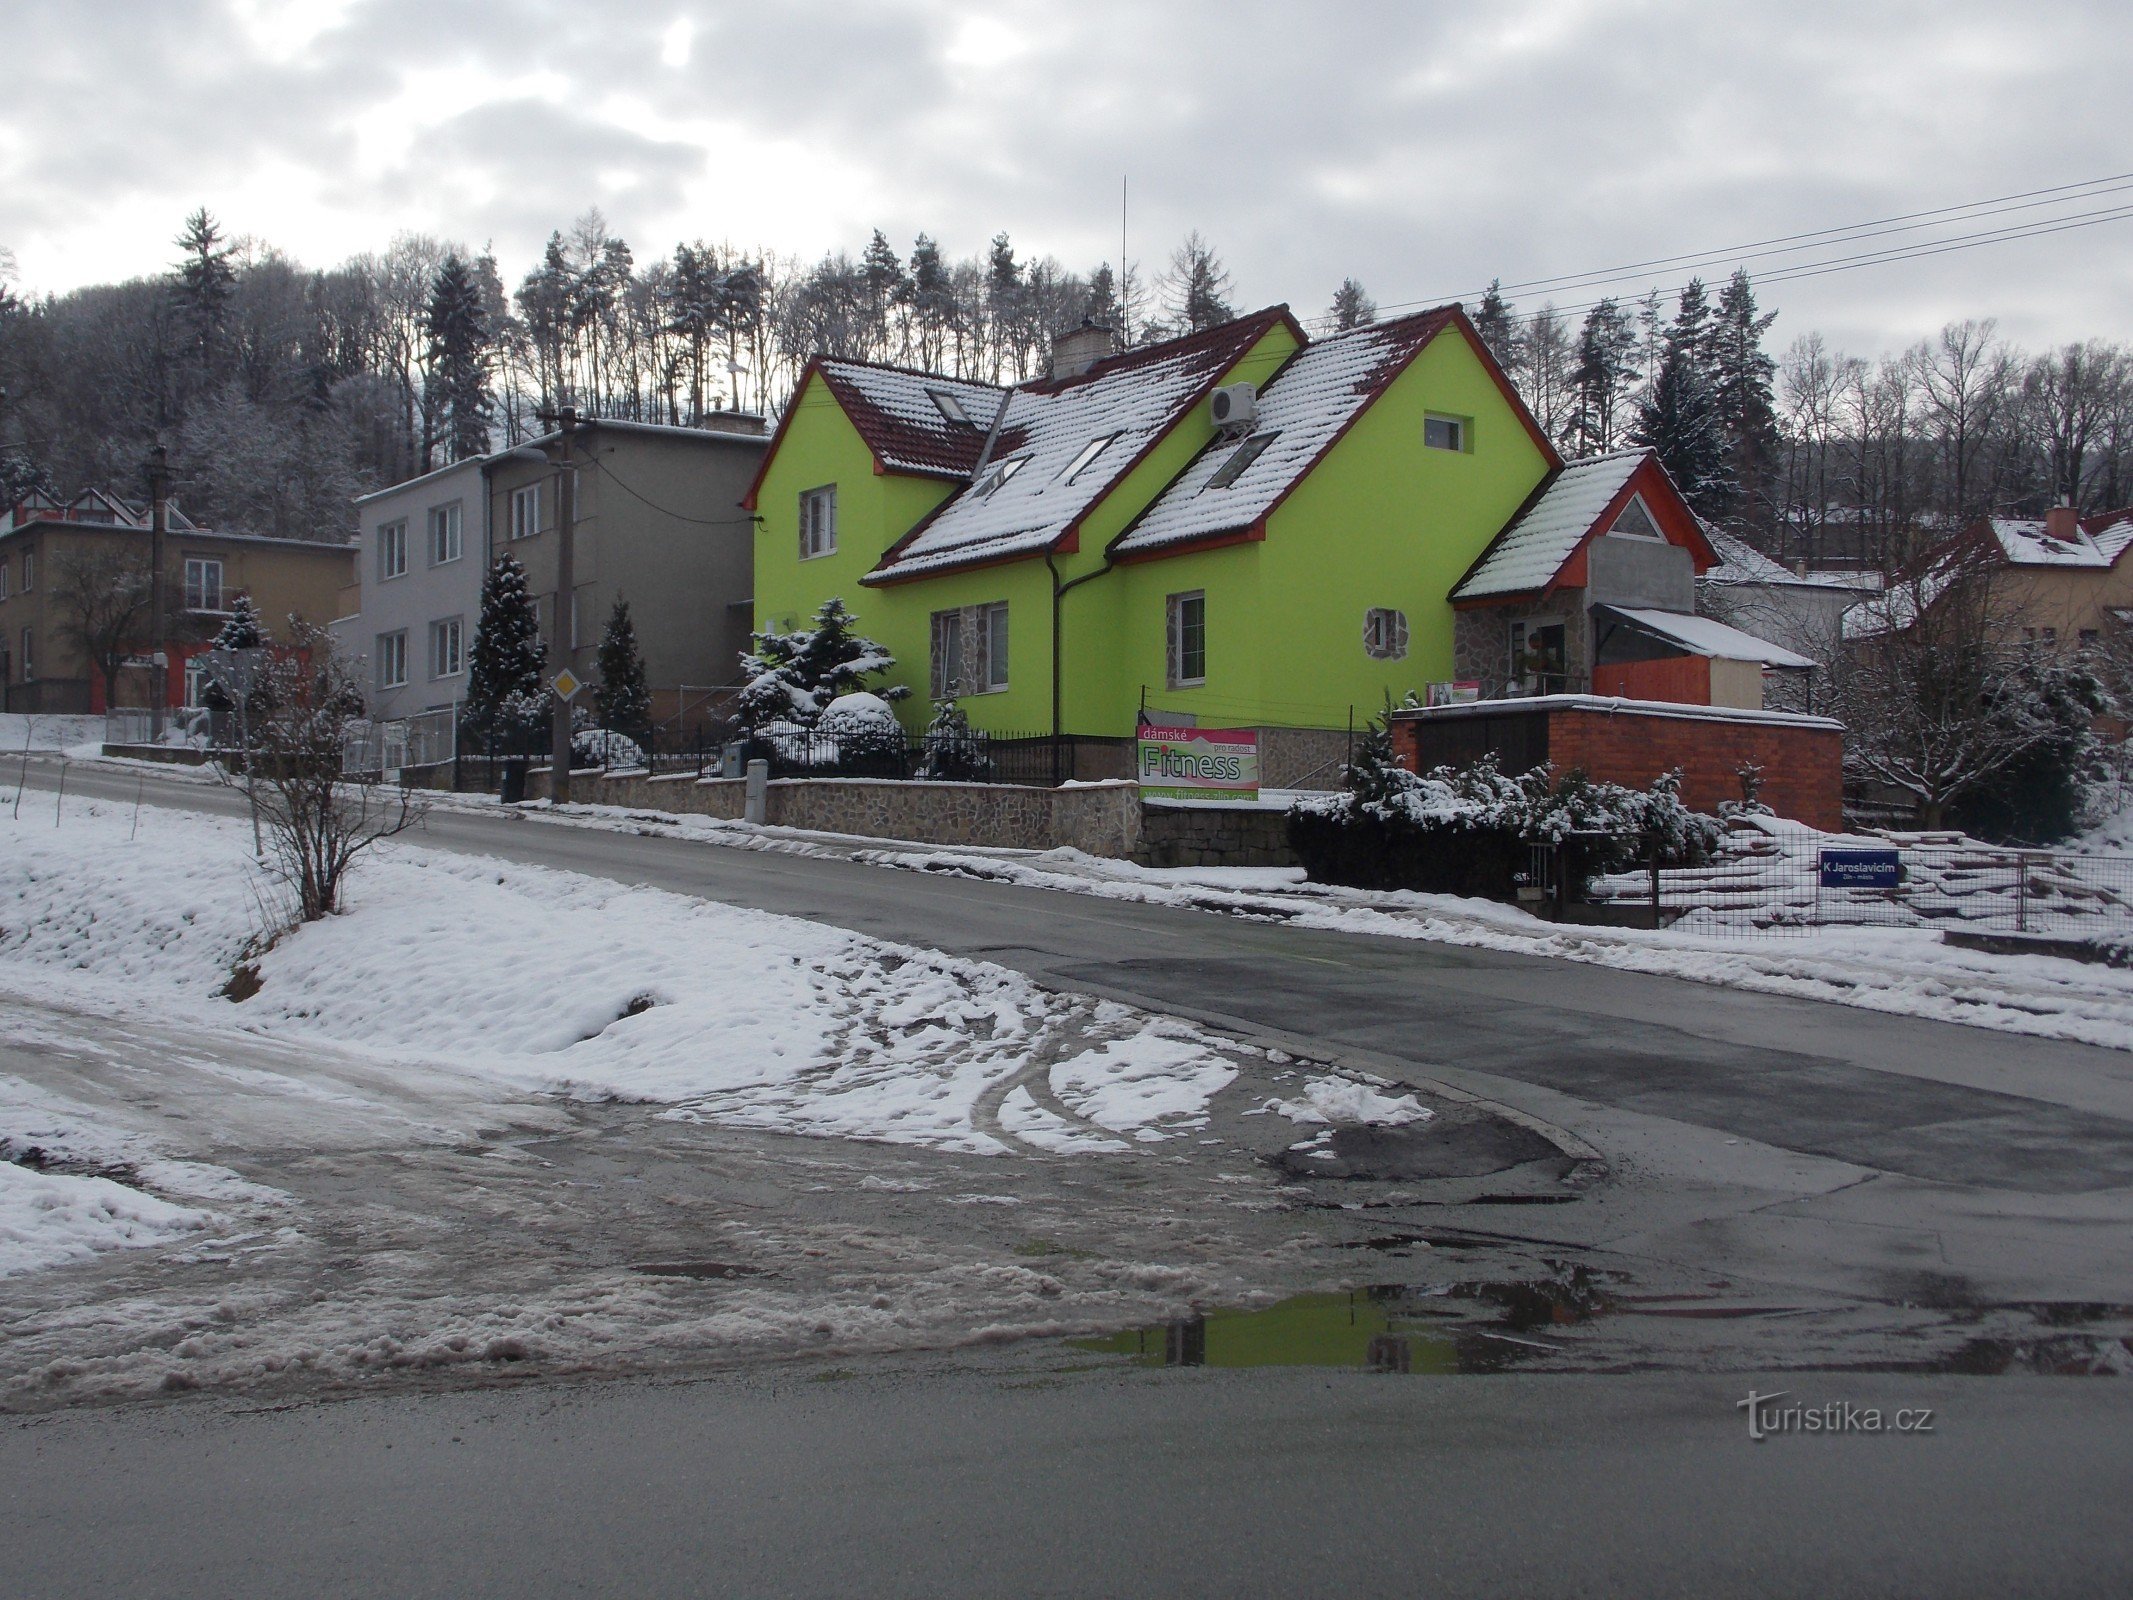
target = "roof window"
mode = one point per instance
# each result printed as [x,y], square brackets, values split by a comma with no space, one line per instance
[1089,452]
[996,476]
[1240,458]
[950,407]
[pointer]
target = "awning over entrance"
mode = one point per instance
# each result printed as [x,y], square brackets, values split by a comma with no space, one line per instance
[1701,636]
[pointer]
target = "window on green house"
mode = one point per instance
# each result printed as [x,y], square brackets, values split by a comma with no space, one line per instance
[1445,433]
[1186,628]
[1385,634]
[969,651]
[818,522]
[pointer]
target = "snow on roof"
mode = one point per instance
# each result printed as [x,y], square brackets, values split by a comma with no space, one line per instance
[2025,544]
[1036,479]
[1706,636]
[1299,415]
[2111,532]
[1740,562]
[1529,553]
[901,415]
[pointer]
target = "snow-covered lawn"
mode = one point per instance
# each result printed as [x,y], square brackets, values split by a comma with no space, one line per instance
[20,731]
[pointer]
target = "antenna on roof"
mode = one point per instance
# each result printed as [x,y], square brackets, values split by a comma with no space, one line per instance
[1125,308]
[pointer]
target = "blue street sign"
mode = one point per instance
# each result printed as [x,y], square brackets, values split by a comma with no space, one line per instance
[1861,869]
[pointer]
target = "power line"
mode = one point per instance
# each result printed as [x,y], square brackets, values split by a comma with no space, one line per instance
[701,522]
[1917,250]
[1570,280]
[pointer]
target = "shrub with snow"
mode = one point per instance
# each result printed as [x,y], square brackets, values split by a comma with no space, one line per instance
[953,751]
[605,747]
[793,677]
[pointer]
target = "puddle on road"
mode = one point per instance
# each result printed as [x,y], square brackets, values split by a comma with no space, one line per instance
[1465,1328]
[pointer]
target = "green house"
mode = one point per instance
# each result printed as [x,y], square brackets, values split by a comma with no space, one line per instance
[1244,527]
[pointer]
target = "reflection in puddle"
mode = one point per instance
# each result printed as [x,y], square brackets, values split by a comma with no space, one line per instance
[1467,1328]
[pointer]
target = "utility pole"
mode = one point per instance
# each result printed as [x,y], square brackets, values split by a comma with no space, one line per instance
[158,525]
[566,575]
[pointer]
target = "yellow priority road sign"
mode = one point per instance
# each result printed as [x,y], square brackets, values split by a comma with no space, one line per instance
[565,684]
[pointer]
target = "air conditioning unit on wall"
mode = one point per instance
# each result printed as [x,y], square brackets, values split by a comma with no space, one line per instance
[1234,405]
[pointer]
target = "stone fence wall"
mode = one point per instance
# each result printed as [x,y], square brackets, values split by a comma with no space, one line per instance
[1101,819]
[1211,836]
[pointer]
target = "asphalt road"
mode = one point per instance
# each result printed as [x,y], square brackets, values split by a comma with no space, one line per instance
[1747,1138]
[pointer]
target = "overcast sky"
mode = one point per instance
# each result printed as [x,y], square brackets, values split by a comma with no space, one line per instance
[1421,147]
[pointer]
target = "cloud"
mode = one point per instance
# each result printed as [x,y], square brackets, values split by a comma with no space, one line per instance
[1423,148]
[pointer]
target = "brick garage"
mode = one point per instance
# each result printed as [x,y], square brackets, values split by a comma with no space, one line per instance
[1631,742]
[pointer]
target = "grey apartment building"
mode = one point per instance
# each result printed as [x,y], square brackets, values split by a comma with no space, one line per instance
[658,523]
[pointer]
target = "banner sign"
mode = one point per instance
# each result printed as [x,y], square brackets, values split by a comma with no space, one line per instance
[1861,869]
[1199,763]
[1459,692]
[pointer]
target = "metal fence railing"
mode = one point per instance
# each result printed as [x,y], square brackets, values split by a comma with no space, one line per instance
[427,739]
[1758,885]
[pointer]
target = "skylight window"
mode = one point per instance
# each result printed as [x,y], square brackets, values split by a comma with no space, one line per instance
[1242,457]
[997,475]
[1089,452]
[951,408]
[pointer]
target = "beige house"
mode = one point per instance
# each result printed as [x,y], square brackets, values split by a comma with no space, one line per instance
[659,523]
[54,554]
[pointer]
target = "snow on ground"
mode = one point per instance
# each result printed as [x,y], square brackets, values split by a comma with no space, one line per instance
[51,1218]
[19,731]
[1331,1100]
[551,981]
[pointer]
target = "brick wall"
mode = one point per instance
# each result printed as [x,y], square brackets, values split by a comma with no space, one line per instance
[1803,767]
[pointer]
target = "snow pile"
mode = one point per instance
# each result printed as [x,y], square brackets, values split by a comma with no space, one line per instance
[48,1219]
[557,982]
[1151,1087]
[1345,1101]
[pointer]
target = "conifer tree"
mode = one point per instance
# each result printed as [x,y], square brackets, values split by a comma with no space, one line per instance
[1102,307]
[241,630]
[1741,376]
[1199,286]
[793,676]
[622,698]
[1607,345]
[1493,321]
[504,695]
[458,355]
[205,282]
[1678,419]
[1352,308]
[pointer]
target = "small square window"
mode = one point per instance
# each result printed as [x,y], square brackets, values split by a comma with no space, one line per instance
[818,522]
[1444,433]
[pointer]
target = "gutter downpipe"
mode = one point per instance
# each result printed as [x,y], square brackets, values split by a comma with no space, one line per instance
[1059,594]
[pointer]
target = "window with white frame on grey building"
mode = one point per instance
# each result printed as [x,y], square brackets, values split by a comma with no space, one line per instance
[444,534]
[1185,635]
[447,647]
[392,549]
[526,511]
[29,656]
[392,659]
[818,522]
[1385,634]
[203,584]
[970,650]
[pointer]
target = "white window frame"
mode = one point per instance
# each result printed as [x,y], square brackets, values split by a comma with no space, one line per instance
[198,594]
[448,647]
[946,640]
[446,543]
[526,510]
[1385,634]
[969,651]
[818,522]
[1462,432]
[29,655]
[29,570]
[392,659]
[392,549]
[1636,503]
[1174,648]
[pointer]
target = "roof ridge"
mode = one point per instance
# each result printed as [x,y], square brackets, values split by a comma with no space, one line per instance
[923,373]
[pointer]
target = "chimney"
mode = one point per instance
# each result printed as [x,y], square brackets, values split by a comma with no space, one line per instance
[1079,349]
[2062,523]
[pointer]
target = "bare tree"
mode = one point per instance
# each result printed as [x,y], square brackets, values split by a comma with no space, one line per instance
[102,593]
[318,821]
[1931,684]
